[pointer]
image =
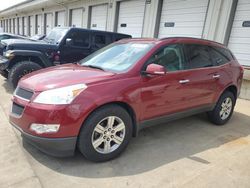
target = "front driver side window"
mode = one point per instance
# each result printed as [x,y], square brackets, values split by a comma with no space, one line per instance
[79,38]
[171,57]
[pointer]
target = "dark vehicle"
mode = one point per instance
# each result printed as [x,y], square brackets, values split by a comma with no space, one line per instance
[4,36]
[38,37]
[60,46]
[98,104]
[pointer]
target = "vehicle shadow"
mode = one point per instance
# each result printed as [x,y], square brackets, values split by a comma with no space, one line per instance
[154,147]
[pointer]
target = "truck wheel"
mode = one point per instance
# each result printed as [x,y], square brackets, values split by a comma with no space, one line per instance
[20,69]
[105,133]
[223,109]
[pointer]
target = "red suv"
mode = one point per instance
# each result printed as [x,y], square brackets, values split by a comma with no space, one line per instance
[100,103]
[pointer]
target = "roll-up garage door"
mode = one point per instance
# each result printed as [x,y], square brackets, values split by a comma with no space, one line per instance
[31,25]
[60,19]
[239,41]
[49,22]
[14,25]
[6,26]
[183,18]
[20,25]
[76,17]
[131,17]
[26,26]
[10,26]
[99,15]
[39,25]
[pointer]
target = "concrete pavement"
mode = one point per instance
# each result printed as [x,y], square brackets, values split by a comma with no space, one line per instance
[190,152]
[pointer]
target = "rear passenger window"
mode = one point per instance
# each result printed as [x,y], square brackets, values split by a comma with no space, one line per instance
[218,57]
[198,56]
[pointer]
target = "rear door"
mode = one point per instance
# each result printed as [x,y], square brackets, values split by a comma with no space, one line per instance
[203,75]
[79,48]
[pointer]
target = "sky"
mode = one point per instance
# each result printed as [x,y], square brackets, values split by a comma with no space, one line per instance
[8,3]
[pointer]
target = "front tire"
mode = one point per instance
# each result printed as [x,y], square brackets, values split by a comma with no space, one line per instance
[20,69]
[105,134]
[223,110]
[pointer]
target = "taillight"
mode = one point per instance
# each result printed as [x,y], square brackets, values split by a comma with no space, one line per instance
[56,57]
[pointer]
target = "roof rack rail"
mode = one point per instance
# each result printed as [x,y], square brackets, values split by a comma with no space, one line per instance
[191,38]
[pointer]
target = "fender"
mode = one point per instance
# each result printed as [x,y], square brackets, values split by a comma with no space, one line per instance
[30,53]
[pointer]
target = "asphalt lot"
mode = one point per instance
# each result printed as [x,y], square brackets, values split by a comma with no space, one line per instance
[190,152]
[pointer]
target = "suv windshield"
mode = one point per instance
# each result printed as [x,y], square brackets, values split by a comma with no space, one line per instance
[56,35]
[117,57]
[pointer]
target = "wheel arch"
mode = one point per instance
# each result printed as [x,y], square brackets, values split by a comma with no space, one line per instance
[233,89]
[33,56]
[34,59]
[125,106]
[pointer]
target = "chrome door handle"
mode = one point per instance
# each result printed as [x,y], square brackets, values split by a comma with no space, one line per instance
[183,81]
[216,76]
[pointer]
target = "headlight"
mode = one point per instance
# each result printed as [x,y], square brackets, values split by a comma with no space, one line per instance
[44,128]
[9,54]
[64,95]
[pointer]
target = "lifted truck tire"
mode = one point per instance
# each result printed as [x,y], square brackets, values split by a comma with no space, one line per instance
[20,69]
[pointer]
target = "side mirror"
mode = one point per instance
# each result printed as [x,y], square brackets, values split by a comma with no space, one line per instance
[154,69]
[69,42]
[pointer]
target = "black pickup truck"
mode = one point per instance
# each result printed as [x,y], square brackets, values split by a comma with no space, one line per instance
[62,45]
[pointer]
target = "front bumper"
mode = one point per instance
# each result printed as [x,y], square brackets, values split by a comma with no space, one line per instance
[58,147]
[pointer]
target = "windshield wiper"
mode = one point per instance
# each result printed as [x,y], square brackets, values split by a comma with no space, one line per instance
[94,67]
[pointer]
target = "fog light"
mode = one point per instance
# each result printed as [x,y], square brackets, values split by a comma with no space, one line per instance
[44,128]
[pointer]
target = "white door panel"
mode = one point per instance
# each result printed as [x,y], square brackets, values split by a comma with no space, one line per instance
[99,15]
[76,17]
[239,41]
[183,18]
[49,22]
[131,17]
[60,19]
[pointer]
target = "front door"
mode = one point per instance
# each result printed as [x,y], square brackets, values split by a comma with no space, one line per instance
[167,94]
[78,49]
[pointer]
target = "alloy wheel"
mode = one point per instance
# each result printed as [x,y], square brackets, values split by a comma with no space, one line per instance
[226,108]
[108,134]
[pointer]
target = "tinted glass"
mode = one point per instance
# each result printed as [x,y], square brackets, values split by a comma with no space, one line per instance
[225,52]
[218,57]
[198,56]
[171,57]
[79,38]
[100,40]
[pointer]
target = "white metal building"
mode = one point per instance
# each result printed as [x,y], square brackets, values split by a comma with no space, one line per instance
[225,21]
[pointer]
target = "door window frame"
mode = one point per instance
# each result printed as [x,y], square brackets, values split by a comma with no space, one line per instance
[77,47]
[185,60]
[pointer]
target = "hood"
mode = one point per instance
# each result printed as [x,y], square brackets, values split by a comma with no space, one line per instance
[60,76]
[26,44]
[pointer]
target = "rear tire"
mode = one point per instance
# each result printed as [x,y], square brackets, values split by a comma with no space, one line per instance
[20,69]
[223,109]
[96,142]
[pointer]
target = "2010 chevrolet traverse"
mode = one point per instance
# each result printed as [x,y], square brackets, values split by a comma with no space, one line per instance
[100,103]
